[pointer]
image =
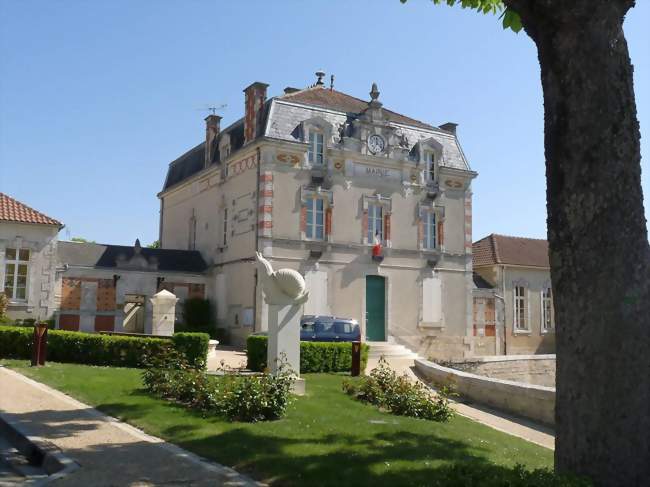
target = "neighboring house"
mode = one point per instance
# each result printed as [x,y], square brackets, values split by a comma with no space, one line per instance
[28,243]
[313,179]
[108,287]
[513,299]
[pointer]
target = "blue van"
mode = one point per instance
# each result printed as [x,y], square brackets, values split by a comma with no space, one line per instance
[329,329]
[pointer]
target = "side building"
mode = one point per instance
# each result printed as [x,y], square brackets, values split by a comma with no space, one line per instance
[513,298]
[314,179]
[28,246]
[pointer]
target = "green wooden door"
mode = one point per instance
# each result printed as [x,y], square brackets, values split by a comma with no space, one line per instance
[375,309]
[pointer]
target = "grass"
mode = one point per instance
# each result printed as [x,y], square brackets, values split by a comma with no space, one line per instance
[326,436]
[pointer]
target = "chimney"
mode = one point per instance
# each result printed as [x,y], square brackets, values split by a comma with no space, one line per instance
[449,127]
[254,98]
[212,123]
[290,89]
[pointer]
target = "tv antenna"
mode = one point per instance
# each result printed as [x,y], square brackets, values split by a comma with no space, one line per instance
[214,108]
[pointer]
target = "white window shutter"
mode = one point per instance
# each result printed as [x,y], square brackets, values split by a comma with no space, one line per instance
[431,300]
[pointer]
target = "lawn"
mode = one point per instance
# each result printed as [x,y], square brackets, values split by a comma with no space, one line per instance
[327,438]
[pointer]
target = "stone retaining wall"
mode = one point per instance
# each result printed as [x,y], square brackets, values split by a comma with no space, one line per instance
[526,400]
[531,369]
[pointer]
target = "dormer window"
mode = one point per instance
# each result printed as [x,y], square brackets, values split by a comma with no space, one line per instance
[315,153]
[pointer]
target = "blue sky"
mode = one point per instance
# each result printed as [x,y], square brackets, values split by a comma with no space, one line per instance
[96,98]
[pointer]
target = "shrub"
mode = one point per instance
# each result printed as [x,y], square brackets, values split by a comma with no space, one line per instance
[194,346]
[399,395]
[96,349]
[314,356]
[197,316]
[238,398]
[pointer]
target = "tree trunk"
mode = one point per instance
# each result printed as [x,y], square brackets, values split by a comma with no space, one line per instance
[598,243]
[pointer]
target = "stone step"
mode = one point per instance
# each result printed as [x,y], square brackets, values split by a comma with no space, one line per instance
[389,350]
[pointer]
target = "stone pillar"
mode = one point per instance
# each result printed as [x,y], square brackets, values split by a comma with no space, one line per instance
[284,336]
[164,313]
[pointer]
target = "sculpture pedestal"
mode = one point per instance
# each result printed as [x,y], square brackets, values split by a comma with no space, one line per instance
[284,339]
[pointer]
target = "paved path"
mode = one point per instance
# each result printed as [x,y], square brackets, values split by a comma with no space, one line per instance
[109,452]
[229,357]
[528,430]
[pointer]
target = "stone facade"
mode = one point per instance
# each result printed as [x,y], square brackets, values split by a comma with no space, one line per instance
[322,177]
[38,243]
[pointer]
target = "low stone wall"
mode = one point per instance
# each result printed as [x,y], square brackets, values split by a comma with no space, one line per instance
[531,369]
[526,400]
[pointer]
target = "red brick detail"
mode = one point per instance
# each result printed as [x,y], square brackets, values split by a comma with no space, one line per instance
[105,295]
[70,293]
[266,193]
[441,233]
[303,218]
[490,330]
[104,323]
[265,224]
[69,322]
[328,221]
[386,227]
[266,177]
[266,209]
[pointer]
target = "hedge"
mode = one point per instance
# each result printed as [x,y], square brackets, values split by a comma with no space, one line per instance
[314,356]
[95,349]
[194,346]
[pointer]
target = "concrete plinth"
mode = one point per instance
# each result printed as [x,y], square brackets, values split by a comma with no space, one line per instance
[284,336]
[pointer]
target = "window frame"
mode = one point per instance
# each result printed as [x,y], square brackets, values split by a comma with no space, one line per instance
[430,230]
[372,227]
[224,227]
[16,262]
[546,310]
[429,159]
[311,207]
[523,300]
[312,152]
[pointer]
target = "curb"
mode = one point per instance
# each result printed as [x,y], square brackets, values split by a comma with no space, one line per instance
[233,478]
[38,451]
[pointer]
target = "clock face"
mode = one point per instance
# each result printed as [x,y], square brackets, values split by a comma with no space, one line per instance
[376,143]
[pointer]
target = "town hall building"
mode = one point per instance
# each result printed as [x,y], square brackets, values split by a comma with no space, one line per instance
[315,179]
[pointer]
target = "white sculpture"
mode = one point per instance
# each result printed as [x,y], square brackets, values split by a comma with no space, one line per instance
[282,287]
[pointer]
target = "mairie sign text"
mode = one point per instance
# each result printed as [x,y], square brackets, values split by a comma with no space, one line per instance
[366,171]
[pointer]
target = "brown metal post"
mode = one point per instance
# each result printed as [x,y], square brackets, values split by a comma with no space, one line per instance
[356,359]
[39,344]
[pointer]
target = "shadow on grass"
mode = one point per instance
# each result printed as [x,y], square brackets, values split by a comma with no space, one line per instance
[297,458]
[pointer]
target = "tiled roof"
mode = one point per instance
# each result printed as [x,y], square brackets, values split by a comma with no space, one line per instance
[501,249]
[14,211]
[335,100]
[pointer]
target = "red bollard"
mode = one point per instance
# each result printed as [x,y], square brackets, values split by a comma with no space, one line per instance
[356,359]
[39,345]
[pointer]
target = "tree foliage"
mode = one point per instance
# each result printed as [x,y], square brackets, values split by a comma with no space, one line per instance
[509,17]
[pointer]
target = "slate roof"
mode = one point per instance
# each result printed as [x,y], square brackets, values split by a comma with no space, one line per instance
[12,210]
[320,96]
[279,120]
[193,161]
[501,249]
[106,256]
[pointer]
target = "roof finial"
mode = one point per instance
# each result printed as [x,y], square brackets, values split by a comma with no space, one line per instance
[374,92]
[331,82]
[320,75]
[137,248]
